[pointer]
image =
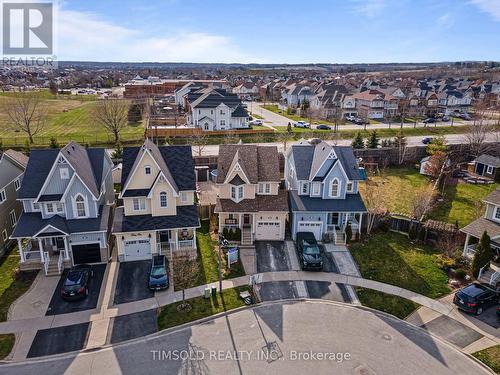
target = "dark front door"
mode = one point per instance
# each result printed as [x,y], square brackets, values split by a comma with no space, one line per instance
[164,237]
[88,253]
[479,169]
[246,219]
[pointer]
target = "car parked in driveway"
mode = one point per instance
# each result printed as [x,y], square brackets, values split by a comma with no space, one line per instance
[308,251]
[158,276]
[474,298]
[429,120]
[323,127]
[76,283]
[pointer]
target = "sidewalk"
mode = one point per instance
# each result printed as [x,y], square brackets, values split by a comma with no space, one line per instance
[346,265]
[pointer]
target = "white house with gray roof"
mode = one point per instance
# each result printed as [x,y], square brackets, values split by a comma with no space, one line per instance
[67,196]
[323,189]
[12,166]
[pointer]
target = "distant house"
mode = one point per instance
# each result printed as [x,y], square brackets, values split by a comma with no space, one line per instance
[12,166]
[487,166]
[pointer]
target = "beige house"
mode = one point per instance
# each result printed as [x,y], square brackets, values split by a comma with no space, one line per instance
[159,214]
[250,199]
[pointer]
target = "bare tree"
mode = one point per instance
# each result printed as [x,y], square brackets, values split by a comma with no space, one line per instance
[112,114]
[477,133]
[374,199]
[402,144]
[186,272]
[26,112]
[449,243]
[422,201]
[434,165]
[199,141]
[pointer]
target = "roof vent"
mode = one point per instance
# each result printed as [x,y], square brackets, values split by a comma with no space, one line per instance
[314,141]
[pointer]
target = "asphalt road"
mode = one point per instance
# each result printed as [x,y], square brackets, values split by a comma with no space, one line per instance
[281,338]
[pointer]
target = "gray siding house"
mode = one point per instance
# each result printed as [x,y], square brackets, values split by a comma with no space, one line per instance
[323,190]
[67,196]
[12,166]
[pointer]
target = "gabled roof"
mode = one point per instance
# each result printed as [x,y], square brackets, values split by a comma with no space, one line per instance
[39,165]
[488,160]
[78,157]
[177,159]
[10,169]
[493,197]
[239,112]
[17,157]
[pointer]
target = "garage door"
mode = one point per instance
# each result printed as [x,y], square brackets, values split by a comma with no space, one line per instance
[88,253]
[137,249]
[311,226]
[268,230]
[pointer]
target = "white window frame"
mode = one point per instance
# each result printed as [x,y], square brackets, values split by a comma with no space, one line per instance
[3,196]
[64,173]
[51,210]
[496,212]
[163,194]
[264,188]
[141,204]
[184,196]
[237,193]
[17,184]
[59,207]
[146,169]
[222,122]
[85,205]
[330,189]
[489,169]
[34,208]
[316,189]
[13,218]
[304,188]
[350,187]
[5,235]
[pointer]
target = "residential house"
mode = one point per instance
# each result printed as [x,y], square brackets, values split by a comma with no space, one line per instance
[250,198]
[487,166]
[159,213]
[296,94]
[490,223]
[217,109]
[67,196]
[246,89]
[327,101]
[349,106]
[323,188]
[12,167]
[370,104]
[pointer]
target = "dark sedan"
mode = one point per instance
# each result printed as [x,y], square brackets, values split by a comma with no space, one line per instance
[76,283]
[158,276]
[474,298]
[308,251]
[323,127]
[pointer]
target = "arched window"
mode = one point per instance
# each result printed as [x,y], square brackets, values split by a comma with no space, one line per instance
[80,206]
[163,199]
[334,188]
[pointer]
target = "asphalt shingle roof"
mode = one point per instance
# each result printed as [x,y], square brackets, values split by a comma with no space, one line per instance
[488,160]
[352,203]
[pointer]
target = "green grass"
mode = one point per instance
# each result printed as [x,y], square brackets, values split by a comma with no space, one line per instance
[13,284]
[6,344]
[169,316]
[275,109]
[391,258]
[208,260]
[394,305]
[490,357]
[462,203]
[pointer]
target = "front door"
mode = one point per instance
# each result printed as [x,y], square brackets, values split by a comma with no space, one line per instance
[164,237]
[333,219]
[246,219]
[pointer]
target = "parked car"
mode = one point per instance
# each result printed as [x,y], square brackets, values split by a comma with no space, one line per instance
[429,120]
[301,124]
[474,298]
[427,140]
[350,118]
[360,121]
[76,283]
[445,118]
[257,122]
[158,276]
[308,251]
[323,127]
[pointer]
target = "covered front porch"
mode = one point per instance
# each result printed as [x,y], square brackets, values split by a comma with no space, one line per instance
[50,253]
[174,240]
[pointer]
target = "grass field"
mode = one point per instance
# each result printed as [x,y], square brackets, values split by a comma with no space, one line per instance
[490,357]
[169,316]
[397,306]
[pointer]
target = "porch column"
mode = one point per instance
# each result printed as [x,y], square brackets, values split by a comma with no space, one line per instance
[467,238]
[360,222]
[194,238]
[40,246]
[176,239]
[66,248]
[20,246]
[240,221]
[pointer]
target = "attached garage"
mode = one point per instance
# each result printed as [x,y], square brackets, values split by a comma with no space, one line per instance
[137,249]
[268,230]
[86,253]
[311,226]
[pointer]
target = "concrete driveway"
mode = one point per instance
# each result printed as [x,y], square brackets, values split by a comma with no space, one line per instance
[278,338]
[59,306]
[132,282]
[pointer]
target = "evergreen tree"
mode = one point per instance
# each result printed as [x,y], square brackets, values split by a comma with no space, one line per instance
[118,152]
[483,254]
[348,233]
[373,140]
[358,142]
[289,127]
[53,143]
[134,113]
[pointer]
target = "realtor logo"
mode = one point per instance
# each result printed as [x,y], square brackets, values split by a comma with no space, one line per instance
[27,28]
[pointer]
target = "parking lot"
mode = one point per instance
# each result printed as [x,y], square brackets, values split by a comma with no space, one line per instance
[59,306]
[132,282]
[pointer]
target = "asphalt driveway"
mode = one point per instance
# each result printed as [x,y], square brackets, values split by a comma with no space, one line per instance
[453,331]
[59,306]
[272,256]
[489,316]
[132,282]
[128,327]
[59,340]
[329,291]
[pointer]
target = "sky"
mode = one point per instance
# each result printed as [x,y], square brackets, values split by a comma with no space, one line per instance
[278,31]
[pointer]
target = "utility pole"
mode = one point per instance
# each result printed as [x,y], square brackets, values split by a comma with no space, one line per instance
[222,242]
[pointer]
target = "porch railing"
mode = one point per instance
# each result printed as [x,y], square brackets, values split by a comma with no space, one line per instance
[482,270]
[183,244]
[46,260]
[60,262]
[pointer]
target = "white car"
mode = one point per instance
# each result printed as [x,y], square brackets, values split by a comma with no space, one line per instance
[257,122]
[301,124]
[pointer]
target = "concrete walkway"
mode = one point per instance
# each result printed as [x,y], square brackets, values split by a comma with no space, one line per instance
[346,265]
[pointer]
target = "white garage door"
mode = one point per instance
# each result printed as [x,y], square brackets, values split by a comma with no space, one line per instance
[138,249]
[311,226]
[268,230]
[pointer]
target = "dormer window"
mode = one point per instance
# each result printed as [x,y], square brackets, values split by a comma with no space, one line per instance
[331,155]
[64,173]
[236,193]
[349,187]
[305,187]
[163,200]
[264,188]
[316,188]
[334,188]
[147,169]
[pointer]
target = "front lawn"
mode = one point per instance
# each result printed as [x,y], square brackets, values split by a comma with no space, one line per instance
[169,316]
[6,344]
[397,306]
[13,284]
[490,357]
[391,258]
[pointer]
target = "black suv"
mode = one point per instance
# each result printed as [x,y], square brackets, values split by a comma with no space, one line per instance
[76,283]
[308,251]
[475,298]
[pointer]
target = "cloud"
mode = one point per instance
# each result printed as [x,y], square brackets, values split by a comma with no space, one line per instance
[445,21]
[369,8]
[85,36]
[492,7]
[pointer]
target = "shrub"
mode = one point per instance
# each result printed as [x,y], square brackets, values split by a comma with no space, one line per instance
[483,254]
[225,233]
[348,233]
[460,274]
[53,143]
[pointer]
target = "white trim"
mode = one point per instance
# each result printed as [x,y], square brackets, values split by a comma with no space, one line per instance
[48,226]
[12,214]
[4,194]
[147,167]
[312,189]
[75,208]
[495,212]
[161,174]
[160,195]
[185,195]
[17,183]
[339,186]
[5,235]
[489,169]
[65,175]
[347,187]
[33,209]
[139,200]
[237,171]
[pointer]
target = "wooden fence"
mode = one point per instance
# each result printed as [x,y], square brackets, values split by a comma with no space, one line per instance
[190,132]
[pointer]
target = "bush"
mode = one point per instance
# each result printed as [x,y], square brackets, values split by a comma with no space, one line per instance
[53,143]
[460,274]
[348,233]
[483,254]
[225,233]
